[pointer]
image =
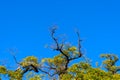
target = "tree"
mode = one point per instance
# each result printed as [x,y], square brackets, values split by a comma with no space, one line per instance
[110,63]
[59,64]
[59,67]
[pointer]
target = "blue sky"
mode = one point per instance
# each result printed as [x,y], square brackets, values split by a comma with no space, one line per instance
[24,25]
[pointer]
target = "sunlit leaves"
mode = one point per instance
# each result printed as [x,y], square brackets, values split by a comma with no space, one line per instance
[15,75]
[66,77]
[61,67]
[110,62]
[29,60]
[3,70]
[36,77]
[78,71]
[73,48]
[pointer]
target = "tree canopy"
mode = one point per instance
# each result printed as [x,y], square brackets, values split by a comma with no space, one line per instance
[59,67]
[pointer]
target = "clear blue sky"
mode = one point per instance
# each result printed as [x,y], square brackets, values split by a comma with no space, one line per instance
[24,24]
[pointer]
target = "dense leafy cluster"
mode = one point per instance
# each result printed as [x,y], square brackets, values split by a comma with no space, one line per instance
[77,71]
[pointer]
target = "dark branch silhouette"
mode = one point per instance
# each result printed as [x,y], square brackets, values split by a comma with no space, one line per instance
[29,68]
[60,49]
[56,69]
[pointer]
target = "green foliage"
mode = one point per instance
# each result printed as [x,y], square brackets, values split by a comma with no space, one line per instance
[3,70]
[84,71]
[78,71]
[36,77]
[75,73]
[110,62]
[15,75]
[59,67]
[29,60]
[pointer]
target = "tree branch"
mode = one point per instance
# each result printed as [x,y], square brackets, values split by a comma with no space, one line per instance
[79,44]
[79,48]
[14,57]
[58,48]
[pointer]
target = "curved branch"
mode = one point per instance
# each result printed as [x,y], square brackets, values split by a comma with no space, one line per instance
[58,48]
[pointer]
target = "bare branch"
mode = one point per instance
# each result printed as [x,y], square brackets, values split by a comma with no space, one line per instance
[58,48]
[79,44]
[13,54]
[79,47]
[46,72]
